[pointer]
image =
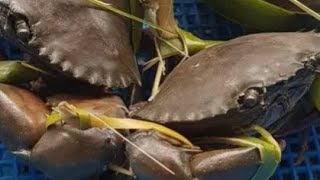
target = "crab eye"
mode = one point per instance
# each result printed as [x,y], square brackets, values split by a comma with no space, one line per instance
[250,98]
[22,29]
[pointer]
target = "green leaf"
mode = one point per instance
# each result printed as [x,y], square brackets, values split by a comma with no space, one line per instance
[268,147]
[271,154]
[115,123]
[17,72]
[261,15]
[53,118]
[109,7]
[315,92]
[306,9]
[136,30]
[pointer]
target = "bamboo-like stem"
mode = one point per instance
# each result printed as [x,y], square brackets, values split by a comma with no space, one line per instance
[160,70]
[306,9]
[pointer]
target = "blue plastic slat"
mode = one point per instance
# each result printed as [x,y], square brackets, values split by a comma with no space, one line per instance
[13,169]
[9,51]
[205,23]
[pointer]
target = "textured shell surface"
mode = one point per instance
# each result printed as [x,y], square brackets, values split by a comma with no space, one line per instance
[209,84]
[82,40]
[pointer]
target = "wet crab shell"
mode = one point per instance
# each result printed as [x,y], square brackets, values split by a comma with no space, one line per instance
[83,41]
[202,93]
[67,152]
[172,157]
[22,117]
[232,163]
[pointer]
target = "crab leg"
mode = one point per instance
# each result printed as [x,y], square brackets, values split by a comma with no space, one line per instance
[248,157]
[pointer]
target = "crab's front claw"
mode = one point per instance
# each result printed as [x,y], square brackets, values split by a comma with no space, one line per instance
[225,158]
[246,158]
[66,152]
[235,163]
[175,163]
[22,117]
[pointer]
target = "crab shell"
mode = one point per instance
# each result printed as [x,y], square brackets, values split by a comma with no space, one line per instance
[83,41]
[201,95]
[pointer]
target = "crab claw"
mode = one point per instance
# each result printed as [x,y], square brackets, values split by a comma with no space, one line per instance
[66,152]
[22,117]
[224,158]
[170,156]
[236,163]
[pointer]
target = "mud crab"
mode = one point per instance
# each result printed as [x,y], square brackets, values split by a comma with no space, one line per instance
[65,34]
[267,76]
[268,73]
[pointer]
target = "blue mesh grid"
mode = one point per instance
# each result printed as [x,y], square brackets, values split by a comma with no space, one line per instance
[9,51]
[13,169]
[205,23]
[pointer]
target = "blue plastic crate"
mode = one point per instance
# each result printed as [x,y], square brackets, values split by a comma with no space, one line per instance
[9,51]
[203,22]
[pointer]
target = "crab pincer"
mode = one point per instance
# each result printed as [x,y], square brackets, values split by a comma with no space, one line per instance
[71,150]
[217,162]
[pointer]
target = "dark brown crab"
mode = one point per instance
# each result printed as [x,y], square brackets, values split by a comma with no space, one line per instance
[83,41]
[22,117]
[268,74]
[252,79]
